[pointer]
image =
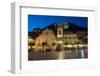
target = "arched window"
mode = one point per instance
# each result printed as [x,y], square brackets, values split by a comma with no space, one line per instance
[59,32]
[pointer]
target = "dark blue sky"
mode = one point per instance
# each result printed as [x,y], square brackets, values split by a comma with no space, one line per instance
[42,21]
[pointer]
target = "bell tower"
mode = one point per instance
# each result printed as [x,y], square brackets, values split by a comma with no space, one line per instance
[60,34]
[60,31]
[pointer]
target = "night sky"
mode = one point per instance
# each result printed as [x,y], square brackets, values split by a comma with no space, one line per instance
[41,21]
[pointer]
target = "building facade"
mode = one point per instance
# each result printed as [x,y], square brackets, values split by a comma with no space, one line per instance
[48,39]
[45,40]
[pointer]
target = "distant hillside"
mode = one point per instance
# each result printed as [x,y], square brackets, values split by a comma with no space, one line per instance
[70,27]
[74,27]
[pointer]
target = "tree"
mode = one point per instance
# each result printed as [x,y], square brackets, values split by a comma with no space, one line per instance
[85,39]
[53,44]
[58,48]
[31,44]
[65,43]
[77,42]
